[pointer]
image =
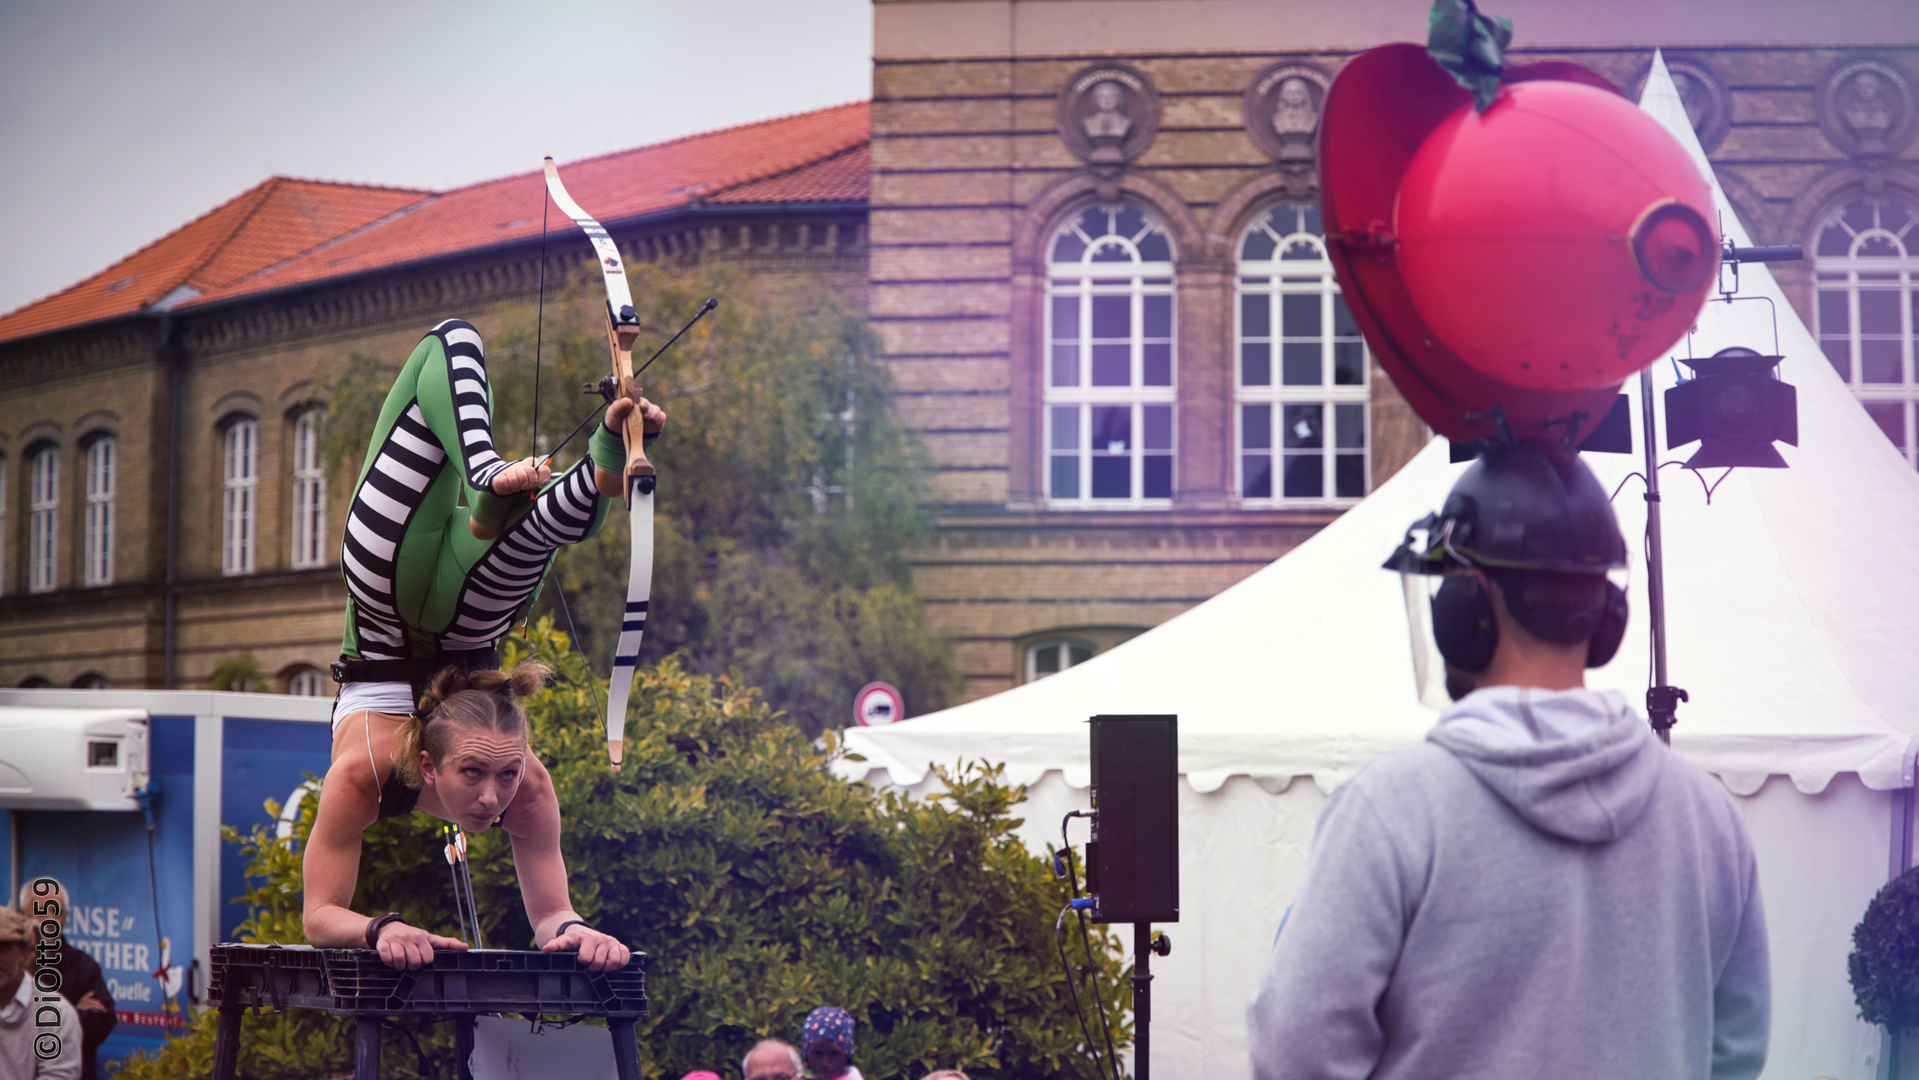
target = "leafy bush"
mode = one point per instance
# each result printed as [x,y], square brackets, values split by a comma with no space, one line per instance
[760,884]
[240,672]
[1884,964]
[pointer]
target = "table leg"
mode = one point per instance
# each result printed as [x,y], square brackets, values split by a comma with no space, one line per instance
[626,1049]
[226,1042]
[463,1046]
[366,1049]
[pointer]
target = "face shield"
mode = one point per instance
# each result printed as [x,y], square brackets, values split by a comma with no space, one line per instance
[1424,561]
[1420,574]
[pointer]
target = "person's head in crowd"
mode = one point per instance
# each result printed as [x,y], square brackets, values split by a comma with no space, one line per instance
[16,949]
[771,1059]
[40,890]
[946,1074]
[826,1039]
[701,1075]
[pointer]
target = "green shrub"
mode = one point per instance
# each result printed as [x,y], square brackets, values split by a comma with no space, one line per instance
[1884,964]
[759,884]
[241,673]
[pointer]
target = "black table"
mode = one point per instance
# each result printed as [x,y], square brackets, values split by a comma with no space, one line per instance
[457,986]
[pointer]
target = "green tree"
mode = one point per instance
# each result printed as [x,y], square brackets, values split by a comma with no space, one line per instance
[789,494]
[239,672]
[760,884]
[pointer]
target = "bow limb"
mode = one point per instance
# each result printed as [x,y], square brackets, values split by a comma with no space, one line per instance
[622,328]
[626,654]
[622,323]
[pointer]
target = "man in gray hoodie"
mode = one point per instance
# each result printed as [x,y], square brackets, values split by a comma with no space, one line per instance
[1541,889]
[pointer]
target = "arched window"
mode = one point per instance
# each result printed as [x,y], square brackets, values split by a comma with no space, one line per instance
[1301,400]
[1053,657]
[239,528]
[304,681]
[309,493]
[1109,370]
[102,460]
[43,519]
[1866,262]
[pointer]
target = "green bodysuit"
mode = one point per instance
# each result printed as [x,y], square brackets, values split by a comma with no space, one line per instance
[419,583]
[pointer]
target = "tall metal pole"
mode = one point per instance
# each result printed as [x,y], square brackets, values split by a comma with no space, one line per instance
[1662,701]
[1142,999]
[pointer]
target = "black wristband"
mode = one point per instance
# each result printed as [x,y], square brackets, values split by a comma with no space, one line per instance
[373,927]
[570,922]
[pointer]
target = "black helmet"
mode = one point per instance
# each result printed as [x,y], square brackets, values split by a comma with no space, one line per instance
[1524,505]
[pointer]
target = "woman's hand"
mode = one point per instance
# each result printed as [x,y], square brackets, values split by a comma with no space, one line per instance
[403,946]
[526,474]
[599,952]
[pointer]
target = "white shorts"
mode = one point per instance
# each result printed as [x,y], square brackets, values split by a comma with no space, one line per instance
[385,697]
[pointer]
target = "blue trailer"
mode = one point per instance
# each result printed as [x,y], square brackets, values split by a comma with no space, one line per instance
[156,900]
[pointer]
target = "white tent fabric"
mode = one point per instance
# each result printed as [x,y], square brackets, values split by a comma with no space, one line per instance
[1793,611]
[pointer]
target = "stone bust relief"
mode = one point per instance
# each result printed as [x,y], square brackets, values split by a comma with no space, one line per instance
[1294,112]
[1108,120]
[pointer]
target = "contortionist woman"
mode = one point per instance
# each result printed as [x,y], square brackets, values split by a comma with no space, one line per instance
[446,545]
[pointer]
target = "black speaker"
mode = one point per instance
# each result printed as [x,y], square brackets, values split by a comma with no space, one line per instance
[1132,862]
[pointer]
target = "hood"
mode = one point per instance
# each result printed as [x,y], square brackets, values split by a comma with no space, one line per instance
[1577,764]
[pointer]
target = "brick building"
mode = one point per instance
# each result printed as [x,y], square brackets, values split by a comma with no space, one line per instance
[1084,230]
[184,376]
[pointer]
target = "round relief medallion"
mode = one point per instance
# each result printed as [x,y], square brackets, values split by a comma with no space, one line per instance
[1701,91]
[1108,114]
[1866,107]
[1282,109]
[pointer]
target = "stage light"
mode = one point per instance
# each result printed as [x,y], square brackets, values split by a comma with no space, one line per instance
[1736,407]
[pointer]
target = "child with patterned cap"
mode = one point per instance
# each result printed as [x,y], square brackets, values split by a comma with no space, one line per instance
[826,1039]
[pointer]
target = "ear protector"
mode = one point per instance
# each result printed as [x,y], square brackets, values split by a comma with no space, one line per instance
[1467,633]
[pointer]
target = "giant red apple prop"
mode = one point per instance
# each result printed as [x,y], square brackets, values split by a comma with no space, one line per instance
[1525,259]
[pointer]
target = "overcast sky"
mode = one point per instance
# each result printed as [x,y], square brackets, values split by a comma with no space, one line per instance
[121,120]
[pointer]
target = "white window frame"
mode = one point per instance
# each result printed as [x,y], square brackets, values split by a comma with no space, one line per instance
[309,493]
[306,682]
[101,465]
[1068,412]
[1272,281]
[43,520]
[1847,279]
[240,506]
[1063,648]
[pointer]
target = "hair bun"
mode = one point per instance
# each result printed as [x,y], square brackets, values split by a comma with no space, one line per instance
[516,685]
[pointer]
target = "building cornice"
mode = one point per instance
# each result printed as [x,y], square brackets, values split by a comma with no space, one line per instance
[396,293]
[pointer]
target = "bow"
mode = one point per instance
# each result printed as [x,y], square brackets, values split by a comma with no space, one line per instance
[622,327]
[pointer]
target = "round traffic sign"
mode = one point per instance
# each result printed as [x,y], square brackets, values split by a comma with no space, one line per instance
[878,704]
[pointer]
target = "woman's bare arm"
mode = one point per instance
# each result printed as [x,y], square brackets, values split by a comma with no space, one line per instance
[349,804]
[533,823]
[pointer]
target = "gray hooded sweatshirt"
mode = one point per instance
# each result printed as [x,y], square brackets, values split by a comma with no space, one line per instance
[1540,890]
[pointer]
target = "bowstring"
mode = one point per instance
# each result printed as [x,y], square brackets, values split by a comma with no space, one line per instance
[539,337]
[539,321]
[592,683]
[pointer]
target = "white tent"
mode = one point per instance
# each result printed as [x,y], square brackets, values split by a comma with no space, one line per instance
[1793,609]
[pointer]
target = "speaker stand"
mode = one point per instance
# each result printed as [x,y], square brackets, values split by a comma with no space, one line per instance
[1143,949]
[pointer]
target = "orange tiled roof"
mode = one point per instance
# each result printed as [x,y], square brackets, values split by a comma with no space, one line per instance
[286,233]
[843,178]
[273,221]
[612,188]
